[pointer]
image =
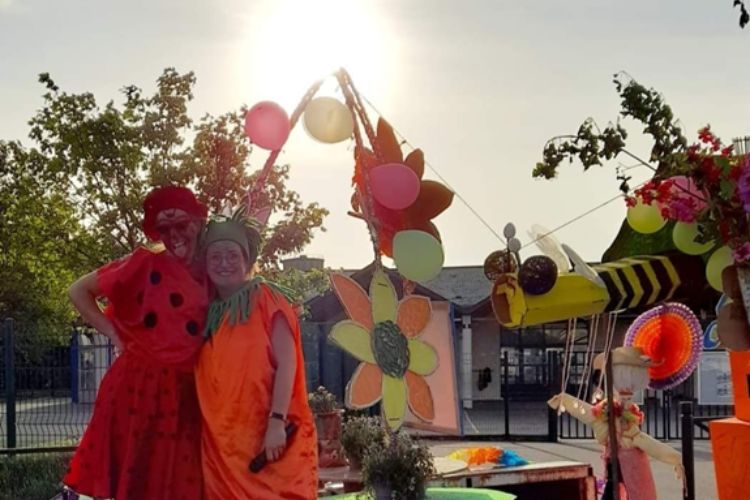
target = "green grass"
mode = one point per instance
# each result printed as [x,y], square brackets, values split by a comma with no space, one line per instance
[32,477]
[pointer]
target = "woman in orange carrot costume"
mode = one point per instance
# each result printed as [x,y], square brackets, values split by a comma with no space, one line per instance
[251,380]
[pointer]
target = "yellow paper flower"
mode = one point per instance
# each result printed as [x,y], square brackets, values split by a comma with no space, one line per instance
[383,334]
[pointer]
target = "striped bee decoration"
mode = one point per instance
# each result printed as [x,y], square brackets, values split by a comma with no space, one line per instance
[636,282]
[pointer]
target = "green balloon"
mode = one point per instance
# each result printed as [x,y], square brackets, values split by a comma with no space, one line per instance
[418,255]
[684,235]
[646,219]
[719,260]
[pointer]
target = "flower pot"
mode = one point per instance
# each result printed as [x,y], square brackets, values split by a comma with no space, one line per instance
[330,452]
[740,367]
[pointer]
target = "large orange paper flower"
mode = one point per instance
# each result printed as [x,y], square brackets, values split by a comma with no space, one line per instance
[433,197]
[383,334]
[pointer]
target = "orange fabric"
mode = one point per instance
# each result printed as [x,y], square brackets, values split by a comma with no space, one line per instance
[730,440]
[235,376]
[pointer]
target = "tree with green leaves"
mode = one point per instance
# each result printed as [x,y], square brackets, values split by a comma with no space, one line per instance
[73,199]
[108,157]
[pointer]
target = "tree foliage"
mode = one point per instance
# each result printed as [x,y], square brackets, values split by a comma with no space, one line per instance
[73,199]
[592,146]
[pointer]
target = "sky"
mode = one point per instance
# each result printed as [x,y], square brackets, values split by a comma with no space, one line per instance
[478,85]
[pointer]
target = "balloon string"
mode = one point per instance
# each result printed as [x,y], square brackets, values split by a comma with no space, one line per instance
[260,183]
[611,323]
[586,373]
[568,354]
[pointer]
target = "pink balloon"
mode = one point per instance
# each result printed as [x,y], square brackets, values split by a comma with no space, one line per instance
[267,125]
[685,188]
[394,185]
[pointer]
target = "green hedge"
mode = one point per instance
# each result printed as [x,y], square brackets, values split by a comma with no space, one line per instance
[32,477]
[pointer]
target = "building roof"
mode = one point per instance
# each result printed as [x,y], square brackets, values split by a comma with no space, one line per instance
[465,287]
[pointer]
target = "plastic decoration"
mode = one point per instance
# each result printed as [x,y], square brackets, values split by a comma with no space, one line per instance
[538,275]
[719,260]
[684,235]
[394,185]
[267,125]
[478,457]
[645,219]
[433,199]
[498,263]
[328,120]
[672,336]
[634,446]
[548,244]
[418,255]
[581,267]
[383,334]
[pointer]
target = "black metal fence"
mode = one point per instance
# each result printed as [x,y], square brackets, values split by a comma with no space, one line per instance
[47,403]
[47,399]
[661,408]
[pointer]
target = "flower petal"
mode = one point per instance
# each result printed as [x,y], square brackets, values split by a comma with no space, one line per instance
[433,199]
[423,359]
[390,149]
[415,161]
[354,339]
[364,389]
[383,297]
[414,313]
[394,401]
[353,298]
[420,397]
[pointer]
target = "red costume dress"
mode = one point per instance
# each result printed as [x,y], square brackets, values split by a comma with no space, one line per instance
[143,441]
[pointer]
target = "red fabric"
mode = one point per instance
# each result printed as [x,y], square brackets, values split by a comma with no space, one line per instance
[143,441]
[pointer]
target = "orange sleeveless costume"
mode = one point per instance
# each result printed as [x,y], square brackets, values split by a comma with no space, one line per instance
[235,377]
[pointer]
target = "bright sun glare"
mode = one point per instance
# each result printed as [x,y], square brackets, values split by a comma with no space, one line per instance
[296,42]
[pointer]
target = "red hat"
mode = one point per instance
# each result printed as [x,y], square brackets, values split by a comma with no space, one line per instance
[169,197]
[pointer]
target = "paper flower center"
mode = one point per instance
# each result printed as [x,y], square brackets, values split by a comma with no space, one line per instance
[391,349]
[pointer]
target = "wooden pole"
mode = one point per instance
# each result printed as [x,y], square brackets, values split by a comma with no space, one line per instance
[611,418]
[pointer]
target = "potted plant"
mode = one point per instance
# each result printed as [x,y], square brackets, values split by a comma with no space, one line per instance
[357,435]
[328,424]
[399,469]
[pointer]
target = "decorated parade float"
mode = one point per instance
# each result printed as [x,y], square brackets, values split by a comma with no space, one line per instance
[686,230]
[403,341]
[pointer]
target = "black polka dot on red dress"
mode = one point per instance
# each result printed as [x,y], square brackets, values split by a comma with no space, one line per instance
[150,320]
[175,299]
[192,327]
[155,277]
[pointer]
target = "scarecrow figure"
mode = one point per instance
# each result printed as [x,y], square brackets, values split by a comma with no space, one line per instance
[630,374]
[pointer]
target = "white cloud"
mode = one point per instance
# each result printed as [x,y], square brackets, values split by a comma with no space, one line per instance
[5,3]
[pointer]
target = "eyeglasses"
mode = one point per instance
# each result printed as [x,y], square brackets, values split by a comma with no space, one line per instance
[180,226]
[231,258]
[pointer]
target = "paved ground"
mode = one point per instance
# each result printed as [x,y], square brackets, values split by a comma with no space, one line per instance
[588,451]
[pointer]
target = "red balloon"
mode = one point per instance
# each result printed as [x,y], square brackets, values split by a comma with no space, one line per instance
[394,185]
[267,125]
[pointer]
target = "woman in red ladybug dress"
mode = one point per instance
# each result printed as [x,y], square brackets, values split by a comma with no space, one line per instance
[143,441]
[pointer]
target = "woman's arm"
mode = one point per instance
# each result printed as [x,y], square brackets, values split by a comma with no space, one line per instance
[83,294]
[282,342]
